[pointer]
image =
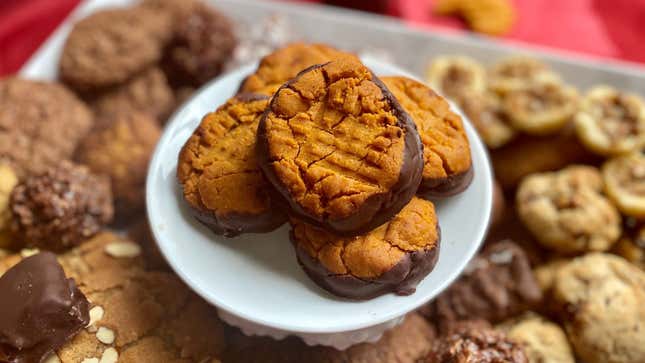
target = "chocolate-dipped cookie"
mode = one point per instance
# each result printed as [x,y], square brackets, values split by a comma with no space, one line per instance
[447,168]
[394,257]
[219,173]
[339,148]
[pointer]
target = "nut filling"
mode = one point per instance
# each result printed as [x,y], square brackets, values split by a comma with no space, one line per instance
[339,148]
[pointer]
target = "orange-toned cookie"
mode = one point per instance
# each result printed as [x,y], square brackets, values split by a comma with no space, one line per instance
[447,168]
[219,173]
[339,148]
[394,257]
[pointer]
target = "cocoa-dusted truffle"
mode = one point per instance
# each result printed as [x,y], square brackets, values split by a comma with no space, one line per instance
[394,257]
[219,173]
[339,148]
[60,208]
[40,309]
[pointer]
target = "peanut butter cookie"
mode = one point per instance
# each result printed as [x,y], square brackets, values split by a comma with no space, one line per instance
[285,63]
[394,257]
[219,171]
[517,73]
[447,168]
[566,211]
[624,178]
[603,300]
[339,148]
[611,122]
[456,77]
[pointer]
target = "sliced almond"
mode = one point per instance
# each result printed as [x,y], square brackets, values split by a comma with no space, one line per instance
[90,360]
[110,355]
[52,358]
[26,252]
[96,314]
[105,335]
[123,249]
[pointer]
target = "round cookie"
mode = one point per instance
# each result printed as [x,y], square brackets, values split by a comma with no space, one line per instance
[60,208]
[113,45]
[517,73]
[602,297]
[610,122]
[447,168]
[394,257]
[624,178]
[285,63]
[339,148]
[121,149]
[486,112]
[40,124]
[566,212]
[456,77]
[220,175]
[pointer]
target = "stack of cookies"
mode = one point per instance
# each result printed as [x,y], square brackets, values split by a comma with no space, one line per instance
[315,138]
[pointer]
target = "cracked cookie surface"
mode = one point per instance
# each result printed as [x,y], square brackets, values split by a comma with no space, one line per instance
[447,168]
[394,257]
[219,172]
[339,148]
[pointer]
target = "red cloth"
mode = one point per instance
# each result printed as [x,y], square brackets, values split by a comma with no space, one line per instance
[606,28]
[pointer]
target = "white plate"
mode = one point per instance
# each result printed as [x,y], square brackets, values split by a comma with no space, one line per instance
[256,276]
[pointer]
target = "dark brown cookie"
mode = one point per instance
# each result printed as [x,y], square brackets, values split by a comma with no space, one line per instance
[60,208]
[121,149]
[447,168]
[403,344]
[497,284]
[40,124]
[339,148]
[111,46]
[394,257]
[220,175]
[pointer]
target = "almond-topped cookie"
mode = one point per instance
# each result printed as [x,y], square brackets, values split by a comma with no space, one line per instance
[339,148]
[220,175]
[447,168]
[394,257]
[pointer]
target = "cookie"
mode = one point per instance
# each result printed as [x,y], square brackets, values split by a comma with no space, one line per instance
[153,259]
[519,73]
[497,284]
[394,257]
[631,246]
[40,124]
[285,63]
[566,211]
[60,208]
[405,343]
[113,45]
[624,178]
[541,109]
[8,181]
[456,77]
[499,205]
[494,17]
[603,301]
[487,114]
[219,172]
[475,342]
[147,92]
[339,148]
[121,149]
[447,168]
[610,122]
[40,309]
[542,340]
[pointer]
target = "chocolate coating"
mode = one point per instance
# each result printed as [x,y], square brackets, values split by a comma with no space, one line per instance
[377,208]
[448,186]
[40,309]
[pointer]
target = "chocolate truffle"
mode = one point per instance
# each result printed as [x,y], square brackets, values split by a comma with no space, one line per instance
[40,309]
[394,257]
[339,148]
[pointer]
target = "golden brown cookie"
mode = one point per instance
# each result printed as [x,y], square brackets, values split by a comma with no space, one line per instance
[631,246]
[394,257]
[113,45]
[285,63]
[456,77]
[486,112]
[447,168]
[339,148]
[219,172]
[8,181]
[121,149]
[566,211]
[603,300]
[405,343]
[518,73]
[494,17]
[611,122]
[624,178]
[40,124]
[542,340]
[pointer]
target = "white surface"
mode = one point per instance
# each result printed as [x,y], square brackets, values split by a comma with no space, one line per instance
[256,276]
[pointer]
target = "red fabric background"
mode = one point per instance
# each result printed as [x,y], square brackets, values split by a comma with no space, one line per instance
[606,28]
